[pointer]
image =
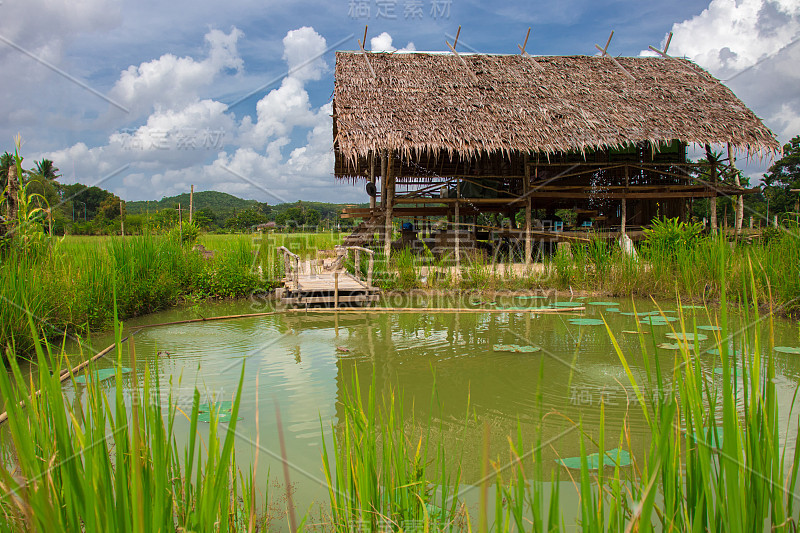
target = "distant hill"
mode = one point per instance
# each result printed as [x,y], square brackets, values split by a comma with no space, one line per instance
[223,204]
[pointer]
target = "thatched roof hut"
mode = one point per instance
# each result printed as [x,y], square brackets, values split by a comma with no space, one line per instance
[423,105]
[476,134]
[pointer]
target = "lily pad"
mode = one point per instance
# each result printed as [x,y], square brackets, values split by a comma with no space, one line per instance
[643,313]
[515,348]
[692,307]
[715,351]
[222,416]
[102,374]
[566,304]
[735,374]
[675,346]
[687,336]
[615,457]
[788,349]
[530,297]
[709,328]
[586,321]
[658,320]
[612,310]
[226,405]
[605,304]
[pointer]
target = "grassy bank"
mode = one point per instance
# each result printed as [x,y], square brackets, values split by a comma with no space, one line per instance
[663,269]
[67,283]
[111,462]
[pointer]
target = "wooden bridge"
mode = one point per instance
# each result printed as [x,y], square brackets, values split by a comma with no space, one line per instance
[308,283]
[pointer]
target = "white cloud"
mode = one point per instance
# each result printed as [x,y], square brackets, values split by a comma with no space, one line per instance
[754,47]
[732,35]
[383,43]
[169,80]
[38,34]
[256,158]
[302,50]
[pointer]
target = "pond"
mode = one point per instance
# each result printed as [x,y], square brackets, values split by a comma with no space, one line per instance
[453,369]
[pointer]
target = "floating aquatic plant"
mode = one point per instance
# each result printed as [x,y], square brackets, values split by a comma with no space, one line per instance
[615,457]
[515,348]
[102,374]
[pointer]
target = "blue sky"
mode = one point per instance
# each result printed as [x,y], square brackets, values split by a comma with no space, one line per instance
[137,96]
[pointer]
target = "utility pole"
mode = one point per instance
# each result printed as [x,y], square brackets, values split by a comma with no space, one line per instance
[191,203]
[121,220]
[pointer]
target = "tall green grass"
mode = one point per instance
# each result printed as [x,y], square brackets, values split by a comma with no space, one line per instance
[66,286]
[111,463]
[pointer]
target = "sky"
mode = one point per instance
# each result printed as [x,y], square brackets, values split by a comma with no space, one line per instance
[146,98]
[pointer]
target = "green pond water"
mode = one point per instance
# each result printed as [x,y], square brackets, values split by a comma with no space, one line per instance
[304,363]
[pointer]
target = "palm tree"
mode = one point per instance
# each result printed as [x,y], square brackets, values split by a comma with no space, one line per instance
[46,169]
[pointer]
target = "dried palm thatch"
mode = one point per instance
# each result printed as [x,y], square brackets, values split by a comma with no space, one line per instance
[429,103]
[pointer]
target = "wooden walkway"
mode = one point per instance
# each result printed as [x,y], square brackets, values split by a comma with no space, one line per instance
[305,285]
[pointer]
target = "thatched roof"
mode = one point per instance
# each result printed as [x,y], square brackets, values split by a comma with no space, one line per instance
[430,103]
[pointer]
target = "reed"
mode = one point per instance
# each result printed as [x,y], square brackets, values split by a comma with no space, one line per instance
[111,463]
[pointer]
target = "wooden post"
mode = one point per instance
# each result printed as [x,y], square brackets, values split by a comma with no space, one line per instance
[739,199]
[369,269]
[372,177]
[384,164]
[180,221]
[457,226]
[624,211]
[712,215]
[191,203]
[336,289]
[387,245]
[525,188]
[121,221]
[358,263]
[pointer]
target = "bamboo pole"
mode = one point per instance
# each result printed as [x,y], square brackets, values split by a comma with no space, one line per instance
[387,245]
[526,188]
[458,225]
[739,199]
[66,373]
[624,207]
[565,310]
[713,202]
[372,177]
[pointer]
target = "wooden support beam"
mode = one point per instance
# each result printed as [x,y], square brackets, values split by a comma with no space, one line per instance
[364,52]
[739,205]
[713,202]
[452,48]
[604,51]
[458,226]
[663,53]
[372,177]
[387,246]
[525,188]
[624,206]
[523,53]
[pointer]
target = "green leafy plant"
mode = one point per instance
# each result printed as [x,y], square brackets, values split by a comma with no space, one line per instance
[667,237]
